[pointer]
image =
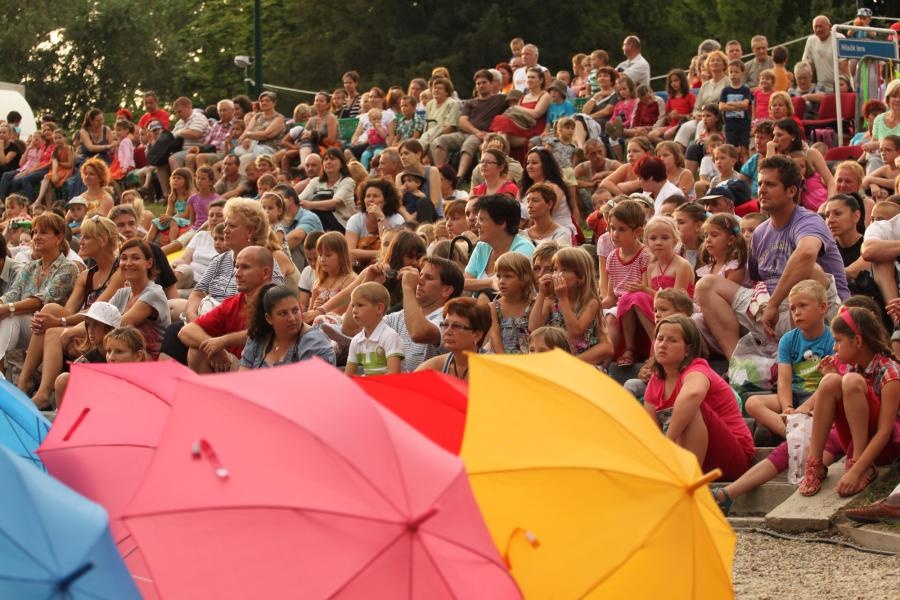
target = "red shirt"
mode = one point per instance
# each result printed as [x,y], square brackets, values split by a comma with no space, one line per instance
[46,155]
[159,114]
[228,317]
[684,105]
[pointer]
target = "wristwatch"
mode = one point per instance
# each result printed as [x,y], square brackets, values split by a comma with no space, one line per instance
[12,308]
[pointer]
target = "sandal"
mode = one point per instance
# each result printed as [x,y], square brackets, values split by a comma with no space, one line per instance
[865,480]
[627,358]
[723,499]
[815,474]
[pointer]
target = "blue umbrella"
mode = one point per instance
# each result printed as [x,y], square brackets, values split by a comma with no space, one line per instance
[54,543]
[22,426]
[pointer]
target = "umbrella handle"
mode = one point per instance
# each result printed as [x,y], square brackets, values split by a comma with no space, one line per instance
[530,537]
[201,447]
[707,478]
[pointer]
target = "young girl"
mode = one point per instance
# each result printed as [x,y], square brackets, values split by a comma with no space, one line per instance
[333,273]
[725,157]
[568,298]
[273,204]
[308,275]
[509,327]
[689,218]
[679,106]
[16,209]
[762,94]
[175,217]
[124,345]
[101,318]
[665,270]
[861,404]
[376,134]
[61,167]
[881,181]
[145,217]
[620,119]
[198,203]
[813,192]
[673,158]
[542,261]
[626,264]
[547,338]
[724,251]
[123,162]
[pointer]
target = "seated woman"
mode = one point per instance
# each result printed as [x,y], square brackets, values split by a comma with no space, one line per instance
[57,331]
[693,405]
[379,206]
[142,302]
[278,335]
[48,278]
[539,201]
[330,196]
[861,404]
[95,174]
[624,180]
[498,219]
[495,172]
[464,328]
[532,109]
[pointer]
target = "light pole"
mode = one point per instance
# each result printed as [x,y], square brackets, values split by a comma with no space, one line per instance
[257,47]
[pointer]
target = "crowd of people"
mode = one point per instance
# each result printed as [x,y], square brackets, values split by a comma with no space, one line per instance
[644,233]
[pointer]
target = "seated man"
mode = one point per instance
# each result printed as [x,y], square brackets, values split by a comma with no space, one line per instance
[216,339]
[792,245]
[881,247]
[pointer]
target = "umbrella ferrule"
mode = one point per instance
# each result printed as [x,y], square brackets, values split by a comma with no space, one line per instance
[706,479]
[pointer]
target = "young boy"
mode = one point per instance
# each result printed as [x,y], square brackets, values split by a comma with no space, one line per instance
[377,348]
[734,102]
[707,164]
[649,113]
[415,205]
[563,147]
[784,79]
[749,224]
[762,94]
[598,59]
[560,105]
[407,125]
[763,133]
[799,353]
[76,209]
[516,45]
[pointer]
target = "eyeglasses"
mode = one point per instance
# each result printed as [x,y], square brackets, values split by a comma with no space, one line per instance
[454,326]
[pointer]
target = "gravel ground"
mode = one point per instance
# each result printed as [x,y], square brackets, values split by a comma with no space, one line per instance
[771,568]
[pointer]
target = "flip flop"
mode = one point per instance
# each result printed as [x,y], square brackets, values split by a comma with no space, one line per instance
[627,359]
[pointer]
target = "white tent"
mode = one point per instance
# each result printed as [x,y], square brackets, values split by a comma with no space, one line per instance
[12,97]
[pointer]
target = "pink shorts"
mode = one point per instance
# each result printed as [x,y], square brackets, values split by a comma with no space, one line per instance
[779,455]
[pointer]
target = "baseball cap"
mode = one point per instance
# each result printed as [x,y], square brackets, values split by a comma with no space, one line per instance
[154,124]
[864,12]
[77,200]
[720,191]
[105,313]
[736,190]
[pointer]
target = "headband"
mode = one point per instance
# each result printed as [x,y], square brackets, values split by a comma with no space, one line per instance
[847,318]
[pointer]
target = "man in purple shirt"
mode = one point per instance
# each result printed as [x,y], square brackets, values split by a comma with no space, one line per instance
[792,245]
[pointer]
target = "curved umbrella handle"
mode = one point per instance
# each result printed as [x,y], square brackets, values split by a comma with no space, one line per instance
[530,537]
[201,447]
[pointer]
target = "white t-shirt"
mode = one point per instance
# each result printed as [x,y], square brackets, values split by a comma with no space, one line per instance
[357,223]
[204,250]
[668,189]
[307,279]
[637,69]
[888,231]
[370,353]
[820,54]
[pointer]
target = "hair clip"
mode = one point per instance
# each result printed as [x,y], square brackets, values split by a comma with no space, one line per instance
[709,215]
[736,229]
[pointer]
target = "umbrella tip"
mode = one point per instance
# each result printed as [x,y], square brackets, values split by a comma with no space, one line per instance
[706,479]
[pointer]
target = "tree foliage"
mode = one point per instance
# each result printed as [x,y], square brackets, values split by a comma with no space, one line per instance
[81,53]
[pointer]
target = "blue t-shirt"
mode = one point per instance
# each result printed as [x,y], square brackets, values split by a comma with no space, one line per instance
[306,220]
[751,171]
[804,356]
[482,252]
[556,111]
[731,94]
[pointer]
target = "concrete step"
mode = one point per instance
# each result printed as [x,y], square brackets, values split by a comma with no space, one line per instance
[746,522]
[762,452]
[870,536]
[763,499]
[814,513]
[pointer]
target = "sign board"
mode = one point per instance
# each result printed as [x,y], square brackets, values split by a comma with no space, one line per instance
[858,48]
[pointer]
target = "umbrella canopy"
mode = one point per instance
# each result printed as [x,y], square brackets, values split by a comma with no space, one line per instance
[53,542]
[293,482]
[106,432]
[22,426]
[432,402]
[582,493]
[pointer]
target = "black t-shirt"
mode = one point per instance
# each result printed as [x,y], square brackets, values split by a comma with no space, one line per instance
[19,148]
[852,253]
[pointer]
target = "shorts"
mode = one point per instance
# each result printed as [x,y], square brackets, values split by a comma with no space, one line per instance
[741,306]
[695,152]
[737,133]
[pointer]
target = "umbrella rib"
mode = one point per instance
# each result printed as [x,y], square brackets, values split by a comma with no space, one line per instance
[435,565]
[25,552]
[634,548]
[110,445]
[178,511]
[569,468]
[368,563]
[18,437]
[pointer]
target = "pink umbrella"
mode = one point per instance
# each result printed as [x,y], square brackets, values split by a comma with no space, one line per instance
[293,482]
[105,435]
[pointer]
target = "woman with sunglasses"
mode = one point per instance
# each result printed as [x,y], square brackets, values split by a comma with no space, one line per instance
[463,330]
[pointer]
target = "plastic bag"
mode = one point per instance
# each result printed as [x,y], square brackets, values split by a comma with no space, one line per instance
[752,366]
[798,432]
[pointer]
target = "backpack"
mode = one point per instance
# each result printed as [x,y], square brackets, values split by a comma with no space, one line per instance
[165,145]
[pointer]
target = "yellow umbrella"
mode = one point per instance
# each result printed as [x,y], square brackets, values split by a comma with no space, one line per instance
[583,495]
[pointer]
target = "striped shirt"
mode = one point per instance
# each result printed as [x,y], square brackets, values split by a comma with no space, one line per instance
[622,273]
[219,281]
[415,353]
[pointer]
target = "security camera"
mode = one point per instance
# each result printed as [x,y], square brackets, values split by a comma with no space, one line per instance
[243,61]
